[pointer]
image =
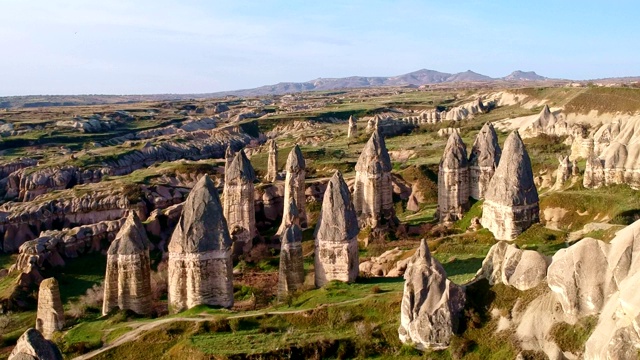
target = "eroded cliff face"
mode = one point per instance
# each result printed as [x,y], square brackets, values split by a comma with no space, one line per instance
[127,283]
[200,266]
[511,200]
[336,246]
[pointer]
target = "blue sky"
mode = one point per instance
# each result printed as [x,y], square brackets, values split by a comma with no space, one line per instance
[143,47]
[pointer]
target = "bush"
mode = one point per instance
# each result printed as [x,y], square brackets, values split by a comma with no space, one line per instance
[92,299]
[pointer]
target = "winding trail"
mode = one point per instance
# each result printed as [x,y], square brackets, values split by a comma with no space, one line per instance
[141,328]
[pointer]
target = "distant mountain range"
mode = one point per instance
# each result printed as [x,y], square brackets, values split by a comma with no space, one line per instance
[416,78]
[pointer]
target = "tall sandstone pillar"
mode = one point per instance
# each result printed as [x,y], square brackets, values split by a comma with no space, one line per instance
[50,317]
[336,247]
[294,188]
[511,201]
[453,180]
[372,190]
[127,283]
[239,206]
[352,131]
[200,265]
[483,161]
[272,162]
[291,272]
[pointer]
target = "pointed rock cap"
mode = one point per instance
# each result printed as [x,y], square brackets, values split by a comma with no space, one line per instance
[240,168]
[32,345]
[512,184]
[338,220]
[229,153]
[295,160]
[352,120]
[546,116]
[374,157]
[202,226]
[455,153]
[486,151]
[292,213]
[273,147]
[423,253]
[131,239]
[292,234]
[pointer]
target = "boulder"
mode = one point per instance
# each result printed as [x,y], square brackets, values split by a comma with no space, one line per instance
[33,346]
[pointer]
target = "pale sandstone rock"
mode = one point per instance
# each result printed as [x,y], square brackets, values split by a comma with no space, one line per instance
[272,163]
[352,131]
[511,201]
[507,264]
[372,190]
[483,161]
[50,316]
[336,245]
[200,266]
[593,173]
[291,272]
[239,206]
[294,188]
[127,283]
[32,346]
[431,303]
[453,181]
[565,169]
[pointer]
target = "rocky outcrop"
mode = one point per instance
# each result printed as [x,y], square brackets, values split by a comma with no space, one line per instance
[547,123]
[229,155]
[352,131]
[50,317]
[28,183]
[372,191]
[565,169]
[291,272]
[32,346]
[431,303]
[483,161]
[272,163]
[507,264]
[388,264]
[9,167]
[294,188]
[593,173]
[239,207]
[200,266]
[453,181]
[336,244]
[511,201]
[127,283]
[457,113]
[372,123]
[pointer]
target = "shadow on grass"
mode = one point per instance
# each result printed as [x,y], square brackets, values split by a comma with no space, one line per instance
[379,280]
[463,266]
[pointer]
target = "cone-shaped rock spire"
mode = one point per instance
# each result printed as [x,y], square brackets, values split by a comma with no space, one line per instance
[33,346]
[430,303]
[272,163]
[483,161]
[127,283]
[200,266]
[453,180]
[239,206]
[565,168]
[291,272]
[336,248]
[50,316]
[372,190]
[294,189]
[511,201]
[352,131]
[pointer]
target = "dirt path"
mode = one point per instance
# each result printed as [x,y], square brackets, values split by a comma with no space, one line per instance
[141,328]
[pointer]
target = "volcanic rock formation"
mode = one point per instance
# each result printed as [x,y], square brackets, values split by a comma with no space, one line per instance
[291,272]
[272,164]
[336,247]
[200,266]
[511,201]
[484,158]
[127,283]
[352,131]
[32,346]
[50,316]
[507,264]
[372,190]
[565,169]
[453,180]
[431,303]
[239,207]
[294,188]
[593,173]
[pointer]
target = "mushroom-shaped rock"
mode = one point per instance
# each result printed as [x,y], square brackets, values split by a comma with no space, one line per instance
[272,163]
[239,205]
[291,272]
[352,131]
[336,244]
[294,189]
[50,316]
[453,180]
[431,303]
[200,266]
[483,161]
[127,283]
[511,201]
[33,346]
[372,190]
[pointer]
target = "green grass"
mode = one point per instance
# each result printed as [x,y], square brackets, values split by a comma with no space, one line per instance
[79,275]
[573,337]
